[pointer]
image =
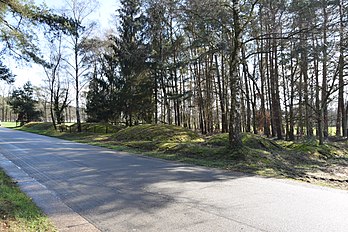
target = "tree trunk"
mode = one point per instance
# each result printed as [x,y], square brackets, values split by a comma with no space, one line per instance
[304,72]
[77,86]
[277,112]
[266,130]
[221,98]
[341,114]
[247,96]
[234,124]
[324,92]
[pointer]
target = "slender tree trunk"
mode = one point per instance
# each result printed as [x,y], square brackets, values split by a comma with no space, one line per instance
[269,64]
[234,125]
[209,94]
[77,86]
[202,122]
[324,92]
[224,91]
[300,107]
[304,71]
[217,126]
[319,109]
[221,97]
[3,109]
[266,130]
[341,114]
[255,129]
[243,116]
[247,96]
[166,106]
[285,96]
[276,100]
[52,112]
[291,105]
[156,97]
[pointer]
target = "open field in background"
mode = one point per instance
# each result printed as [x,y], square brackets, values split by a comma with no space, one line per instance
[17,211]
[300,160]
[8,124]
[331,130]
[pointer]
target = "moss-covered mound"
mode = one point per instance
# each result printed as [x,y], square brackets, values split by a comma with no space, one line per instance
[249,140]
[38,126]
[259,142]
[100,128]
[313,149]
[156,133]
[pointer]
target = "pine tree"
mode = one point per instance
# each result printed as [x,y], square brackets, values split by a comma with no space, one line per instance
[23,104]
[137,93]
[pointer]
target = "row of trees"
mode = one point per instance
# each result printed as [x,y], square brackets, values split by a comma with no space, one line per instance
[261,66]
[22,24]
[30,103]
[6,113]
[23,104]
[271,67]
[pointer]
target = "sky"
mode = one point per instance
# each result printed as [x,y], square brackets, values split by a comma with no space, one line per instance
[35,73]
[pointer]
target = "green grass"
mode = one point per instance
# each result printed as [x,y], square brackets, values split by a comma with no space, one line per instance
[17,211]
[331,130]
[41,126]
[8,124]
[99,128]
[150,132]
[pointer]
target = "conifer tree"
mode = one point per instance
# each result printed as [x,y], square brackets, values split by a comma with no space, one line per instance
[136,94]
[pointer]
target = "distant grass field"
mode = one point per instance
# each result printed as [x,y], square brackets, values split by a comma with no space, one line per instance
[17,211]
[8,124]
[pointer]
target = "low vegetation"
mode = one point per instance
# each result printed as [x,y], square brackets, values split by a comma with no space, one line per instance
[17,211]
[304,160]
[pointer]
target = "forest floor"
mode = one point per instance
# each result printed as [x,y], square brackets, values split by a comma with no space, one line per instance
[303,160]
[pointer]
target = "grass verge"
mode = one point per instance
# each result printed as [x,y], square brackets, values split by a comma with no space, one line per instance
[17,211]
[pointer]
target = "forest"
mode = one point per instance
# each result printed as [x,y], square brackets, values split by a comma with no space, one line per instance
[275,68]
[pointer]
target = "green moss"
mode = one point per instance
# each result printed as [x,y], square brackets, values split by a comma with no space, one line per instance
[38,126]
[145,145]
[99,128]
[259,142]
[248,140]
[218,140]
[312,148]
[152,132]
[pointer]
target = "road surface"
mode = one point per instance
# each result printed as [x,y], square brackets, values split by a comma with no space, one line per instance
[115,191]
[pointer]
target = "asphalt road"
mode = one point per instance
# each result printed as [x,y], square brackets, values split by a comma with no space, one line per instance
[116,191]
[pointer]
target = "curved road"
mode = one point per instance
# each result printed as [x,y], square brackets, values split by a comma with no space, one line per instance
[115,191]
